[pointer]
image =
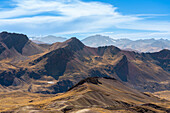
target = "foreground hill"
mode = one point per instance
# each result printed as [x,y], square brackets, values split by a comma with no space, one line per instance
[91,95]
[63,64]
[146,45]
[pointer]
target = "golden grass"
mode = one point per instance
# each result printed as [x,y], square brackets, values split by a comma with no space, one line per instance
[12,100]
[163,94]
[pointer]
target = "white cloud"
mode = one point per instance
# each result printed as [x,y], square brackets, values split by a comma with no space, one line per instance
[79,16]
[71,16]
[146,25]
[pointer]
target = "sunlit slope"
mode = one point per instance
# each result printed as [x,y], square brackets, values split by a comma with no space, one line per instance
[98,95]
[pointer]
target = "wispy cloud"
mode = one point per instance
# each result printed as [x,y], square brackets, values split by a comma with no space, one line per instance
[71,16]
[146,25]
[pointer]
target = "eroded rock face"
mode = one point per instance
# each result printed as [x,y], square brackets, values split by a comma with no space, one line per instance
[122,69]
[2,48]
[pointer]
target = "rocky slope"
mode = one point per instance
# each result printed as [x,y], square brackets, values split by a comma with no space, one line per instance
[17,45]
[62,65]
[94,95]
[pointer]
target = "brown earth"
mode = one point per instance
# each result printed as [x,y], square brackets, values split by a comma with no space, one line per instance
[92,95]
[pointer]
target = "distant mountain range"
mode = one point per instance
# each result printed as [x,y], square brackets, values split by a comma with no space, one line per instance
[145,45]
[142,45]
[48,39]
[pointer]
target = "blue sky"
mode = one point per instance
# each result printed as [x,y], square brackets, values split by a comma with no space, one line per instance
[133,19]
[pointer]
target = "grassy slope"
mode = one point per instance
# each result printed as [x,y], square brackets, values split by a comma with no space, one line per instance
[109,97]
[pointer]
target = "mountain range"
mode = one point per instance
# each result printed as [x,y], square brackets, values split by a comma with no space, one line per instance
[142,45]
[145,45]
[47,39]
[28,67]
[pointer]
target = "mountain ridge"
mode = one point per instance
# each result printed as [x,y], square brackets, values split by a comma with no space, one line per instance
[13,44]
[50,39]
[64,64]
[141,45]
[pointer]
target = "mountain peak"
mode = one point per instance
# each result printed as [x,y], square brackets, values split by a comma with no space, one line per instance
[19,43]
[74,39]
[5,33]
[14,40]
[92,80]
[165,50]
[74,42]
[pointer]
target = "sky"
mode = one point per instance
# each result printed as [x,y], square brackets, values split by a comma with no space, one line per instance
[132,19]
